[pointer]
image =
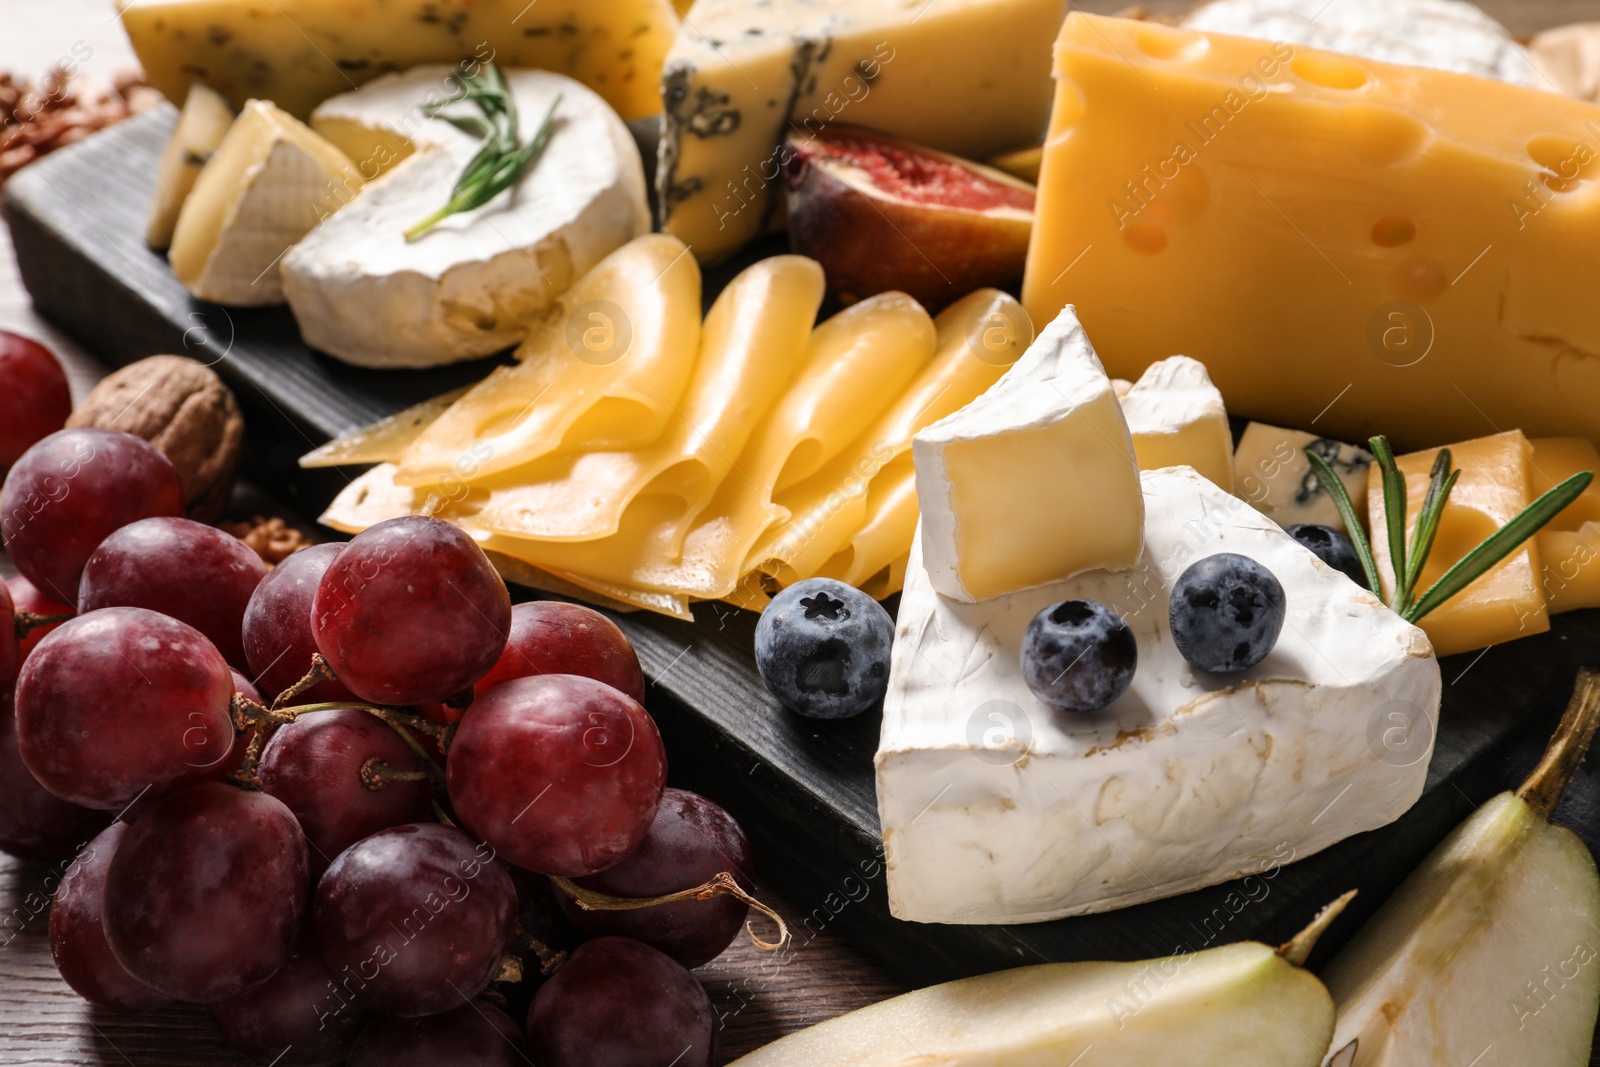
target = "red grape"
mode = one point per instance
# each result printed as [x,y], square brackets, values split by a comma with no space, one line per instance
[477,1034]
[620,1003]
[690,842]
[26,596]
[554,637]
[298,1019]
[205,895]
[34,398]
[277,625]
[244,687]
[10,649]
[120,701]
[78,938]
[314,766]
[415,919]
[35,823]
[411,611]
[184,569]
[561,774]
[70,491]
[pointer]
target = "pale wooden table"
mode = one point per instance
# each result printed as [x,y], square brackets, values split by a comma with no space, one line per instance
[42,1022]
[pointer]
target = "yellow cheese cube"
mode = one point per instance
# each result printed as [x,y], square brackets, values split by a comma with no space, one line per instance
[1507,602]
[1344,243]
[1569,545]
[297,53]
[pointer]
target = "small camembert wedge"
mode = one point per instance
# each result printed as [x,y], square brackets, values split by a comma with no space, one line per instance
[1177,419]
[202,124]
[269,182]
[472,284]
[997,809]
[1035,480]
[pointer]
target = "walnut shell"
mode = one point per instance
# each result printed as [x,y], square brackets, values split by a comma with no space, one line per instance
[182,408]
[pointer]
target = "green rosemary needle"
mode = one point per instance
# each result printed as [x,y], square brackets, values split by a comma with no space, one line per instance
[500,163]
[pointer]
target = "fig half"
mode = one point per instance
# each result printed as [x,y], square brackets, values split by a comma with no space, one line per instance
[882,214]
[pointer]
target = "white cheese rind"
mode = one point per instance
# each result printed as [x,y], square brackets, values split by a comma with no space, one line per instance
[1177,417]
[1445,34]
[472,285]
[1033,481]
[996,809]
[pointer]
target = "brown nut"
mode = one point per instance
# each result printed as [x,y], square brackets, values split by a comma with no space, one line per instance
[182,408]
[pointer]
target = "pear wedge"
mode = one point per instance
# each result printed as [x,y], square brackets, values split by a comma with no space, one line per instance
[1489,954]
[1242,1005]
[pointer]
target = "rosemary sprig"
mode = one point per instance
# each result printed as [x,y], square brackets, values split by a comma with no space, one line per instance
[499,164]
[1407,560]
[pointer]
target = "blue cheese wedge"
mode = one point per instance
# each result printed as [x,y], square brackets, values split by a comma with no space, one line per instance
[1446,34]
[966,76]
[1272,473]
[997,809]
[472,284]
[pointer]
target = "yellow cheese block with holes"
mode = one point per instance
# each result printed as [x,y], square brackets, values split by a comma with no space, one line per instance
[298,53]
[1569,545]
[1348,244]
[1507,602]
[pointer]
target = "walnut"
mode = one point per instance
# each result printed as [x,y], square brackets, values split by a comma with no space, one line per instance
[272,539]
[182,408]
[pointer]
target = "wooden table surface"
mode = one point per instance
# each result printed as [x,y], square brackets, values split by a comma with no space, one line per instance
[759,996]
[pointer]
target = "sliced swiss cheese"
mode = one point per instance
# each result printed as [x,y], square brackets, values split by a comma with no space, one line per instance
[300,52]
[267,184]
[1035,480]
[1505,603]
[477,281]
[1344,243]
[602,370]
[966,76]
[998,809]
[1177,419]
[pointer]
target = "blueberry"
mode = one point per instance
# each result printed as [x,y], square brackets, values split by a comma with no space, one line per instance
[1078,655]
[822,648]
[1331,547]
[1227,612]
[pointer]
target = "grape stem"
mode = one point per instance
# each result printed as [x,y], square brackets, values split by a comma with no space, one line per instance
[375,774]
[320,672]
[247,713]
[722,885]
[26,621]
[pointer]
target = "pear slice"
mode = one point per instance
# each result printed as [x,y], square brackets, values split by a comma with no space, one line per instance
[1242,1005]
[1486,955]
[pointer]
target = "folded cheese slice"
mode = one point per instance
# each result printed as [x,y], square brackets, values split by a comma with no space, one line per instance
[998,809]
[752,345]
[602,370]
[872,481]
[856,365]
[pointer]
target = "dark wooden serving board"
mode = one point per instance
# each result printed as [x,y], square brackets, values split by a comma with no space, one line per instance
[803,789]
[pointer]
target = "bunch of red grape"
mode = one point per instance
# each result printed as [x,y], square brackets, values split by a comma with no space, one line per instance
[360,868]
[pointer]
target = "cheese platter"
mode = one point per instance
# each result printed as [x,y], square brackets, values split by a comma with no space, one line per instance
[1081,746]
